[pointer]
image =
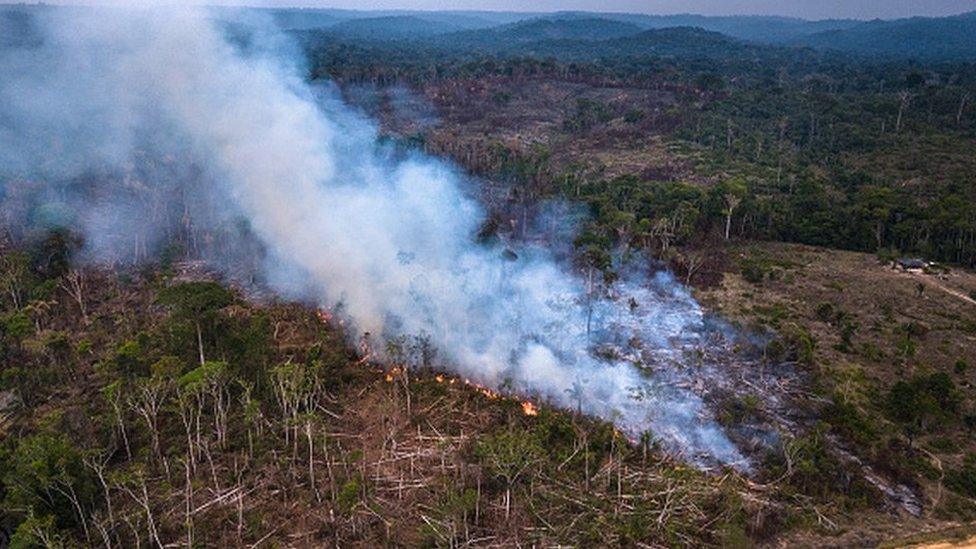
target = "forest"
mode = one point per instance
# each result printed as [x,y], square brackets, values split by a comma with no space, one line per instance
[770,221]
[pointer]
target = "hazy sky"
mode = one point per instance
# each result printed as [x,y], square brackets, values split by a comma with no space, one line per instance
[811,9]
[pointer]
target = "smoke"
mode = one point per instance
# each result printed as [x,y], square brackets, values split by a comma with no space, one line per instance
[141,121]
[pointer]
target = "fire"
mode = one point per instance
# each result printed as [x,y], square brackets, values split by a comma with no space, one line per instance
[391,374]
[528,408]
[483,390]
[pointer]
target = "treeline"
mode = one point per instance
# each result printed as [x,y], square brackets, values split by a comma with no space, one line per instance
[851,154]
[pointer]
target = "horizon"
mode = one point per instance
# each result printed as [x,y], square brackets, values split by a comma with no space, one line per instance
[864,10]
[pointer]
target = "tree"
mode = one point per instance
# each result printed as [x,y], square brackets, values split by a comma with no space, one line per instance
[904,98]
[73,284]
[732,193]
[692,261]
[15,276]
[509,456]
[962,107]
[149,394]
[198,303]
[920,402]
[47,479]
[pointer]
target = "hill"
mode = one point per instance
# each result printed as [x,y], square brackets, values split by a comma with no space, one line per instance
[507,37]
[393,27]
[763,29]
[918,37]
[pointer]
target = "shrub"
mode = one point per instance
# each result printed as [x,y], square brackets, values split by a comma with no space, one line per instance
[825,312]
[921,402]
[963,480]
[753,272]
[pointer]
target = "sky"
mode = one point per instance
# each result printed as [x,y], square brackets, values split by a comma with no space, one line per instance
[808,9]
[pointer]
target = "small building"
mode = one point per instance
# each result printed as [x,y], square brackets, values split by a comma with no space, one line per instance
[911,264]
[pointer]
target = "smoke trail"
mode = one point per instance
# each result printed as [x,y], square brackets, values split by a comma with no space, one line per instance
[388,241]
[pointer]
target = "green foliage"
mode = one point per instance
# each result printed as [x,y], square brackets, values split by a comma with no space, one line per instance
[203,376]
[847,419]
[509,455]
[809,467]
[130,359]
[753,272]
[194,300]
[963,480]
[923,402]
[38,532]
[588,113]
[46,477]
[349,494]
[16,327]
[794,343]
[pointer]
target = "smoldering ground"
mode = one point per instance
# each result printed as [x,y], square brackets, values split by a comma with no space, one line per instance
[145,126]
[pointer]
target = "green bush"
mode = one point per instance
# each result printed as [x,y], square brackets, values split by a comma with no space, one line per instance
[923,403]
[753,272]
[963,480]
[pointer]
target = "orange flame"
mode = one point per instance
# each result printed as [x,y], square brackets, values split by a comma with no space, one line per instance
[528,408]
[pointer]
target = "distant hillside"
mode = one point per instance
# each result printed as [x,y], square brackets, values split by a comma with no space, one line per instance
[392,27]
[302,19]
[536,30]
[764,29]
[680,42]
[312,18]
[918,37]
[600,39]
[928,38]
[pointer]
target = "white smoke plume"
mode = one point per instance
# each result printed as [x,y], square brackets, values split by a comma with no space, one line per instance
[387,241]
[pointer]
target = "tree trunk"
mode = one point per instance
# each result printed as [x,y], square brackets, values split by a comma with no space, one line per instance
[200,342]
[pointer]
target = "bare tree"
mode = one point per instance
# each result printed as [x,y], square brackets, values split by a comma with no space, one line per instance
[904,99]
[98,463]
[140,494]
[113,394]
[14,271]
[664,230]
[692,261]
[73,284]
[732,196]
[962,106]
[147,400]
